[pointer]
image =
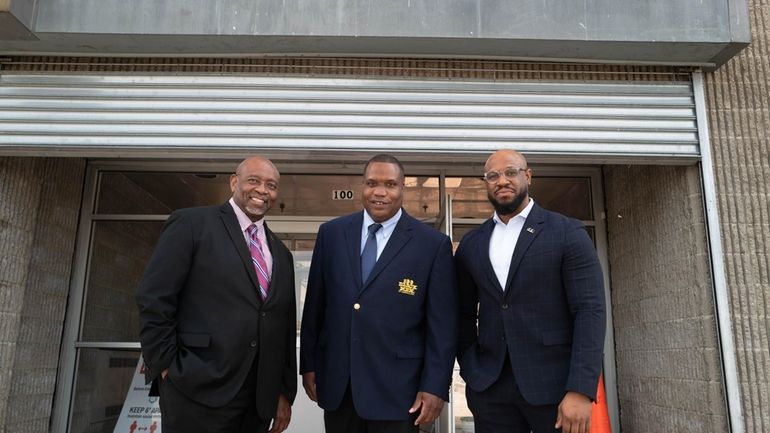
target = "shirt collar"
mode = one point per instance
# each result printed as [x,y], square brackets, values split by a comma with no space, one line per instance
[243,220]
[523,214]
[387,226]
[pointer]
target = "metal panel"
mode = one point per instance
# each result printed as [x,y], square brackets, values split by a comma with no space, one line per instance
[721,292]
[703,33]
[137,115]
[588,20]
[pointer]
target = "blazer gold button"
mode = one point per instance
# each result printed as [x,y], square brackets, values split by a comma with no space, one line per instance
[356,306]
[253,343]
[505,306]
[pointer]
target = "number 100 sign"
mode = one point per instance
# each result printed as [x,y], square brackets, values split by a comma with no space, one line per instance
[342,194]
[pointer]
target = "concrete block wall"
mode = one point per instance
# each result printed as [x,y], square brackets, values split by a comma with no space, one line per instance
[738,104]
[16,238]
[666,347]
[39,207]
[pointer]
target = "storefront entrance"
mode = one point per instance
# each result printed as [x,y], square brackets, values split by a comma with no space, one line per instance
[126,204]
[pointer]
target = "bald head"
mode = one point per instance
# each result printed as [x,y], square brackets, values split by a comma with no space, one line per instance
[506,157]
[255,161]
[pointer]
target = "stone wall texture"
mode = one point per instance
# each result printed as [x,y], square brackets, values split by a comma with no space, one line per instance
[738,103]
[39,207]
[666,346]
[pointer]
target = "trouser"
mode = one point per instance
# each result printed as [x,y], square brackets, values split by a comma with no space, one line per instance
[180,414]
[502,409]
[346,420]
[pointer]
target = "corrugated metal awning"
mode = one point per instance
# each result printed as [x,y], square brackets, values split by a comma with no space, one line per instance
[193,115]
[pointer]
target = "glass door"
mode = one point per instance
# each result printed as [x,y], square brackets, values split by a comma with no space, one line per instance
[126,203]
[299,237]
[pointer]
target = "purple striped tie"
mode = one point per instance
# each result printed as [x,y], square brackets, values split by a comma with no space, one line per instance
[258,258]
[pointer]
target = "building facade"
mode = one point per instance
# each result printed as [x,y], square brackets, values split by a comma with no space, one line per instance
[646,122]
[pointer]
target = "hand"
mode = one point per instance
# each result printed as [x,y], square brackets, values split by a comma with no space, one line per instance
[308,382]
[282,415]
[431,407]
[574,413]
[163,374]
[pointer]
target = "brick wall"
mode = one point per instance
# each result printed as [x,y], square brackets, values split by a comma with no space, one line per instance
[668,362]
[39,207]
[738,104]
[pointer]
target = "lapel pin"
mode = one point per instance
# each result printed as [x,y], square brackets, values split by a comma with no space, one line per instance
[530,230]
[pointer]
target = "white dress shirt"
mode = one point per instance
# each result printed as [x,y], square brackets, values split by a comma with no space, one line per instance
[382,235]
[503,242]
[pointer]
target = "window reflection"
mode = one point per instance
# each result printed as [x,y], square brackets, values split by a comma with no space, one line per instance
[301,247]
[146,193]
[119,252]
[103,379]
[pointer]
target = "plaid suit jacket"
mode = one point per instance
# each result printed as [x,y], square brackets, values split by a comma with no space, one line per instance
[549,318]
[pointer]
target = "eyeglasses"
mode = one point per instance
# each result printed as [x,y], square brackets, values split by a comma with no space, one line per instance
[509,173]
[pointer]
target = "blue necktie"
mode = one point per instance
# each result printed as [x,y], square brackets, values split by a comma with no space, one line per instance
[369,255]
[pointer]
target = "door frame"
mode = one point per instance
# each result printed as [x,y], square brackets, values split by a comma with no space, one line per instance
[71,344]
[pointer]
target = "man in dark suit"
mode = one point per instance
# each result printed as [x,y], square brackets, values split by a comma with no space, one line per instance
[217,312]
[380,321]
[532,311]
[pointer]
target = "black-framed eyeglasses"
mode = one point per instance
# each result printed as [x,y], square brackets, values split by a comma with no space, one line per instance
[509,173]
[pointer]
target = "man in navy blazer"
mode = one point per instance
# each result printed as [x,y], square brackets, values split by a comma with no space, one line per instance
[379,327]
[532,311]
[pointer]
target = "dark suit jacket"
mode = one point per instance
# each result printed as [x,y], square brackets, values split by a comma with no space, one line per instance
[550,319]
[395,344]
[201,316]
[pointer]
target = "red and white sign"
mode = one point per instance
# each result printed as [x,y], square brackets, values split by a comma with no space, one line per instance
[141,413]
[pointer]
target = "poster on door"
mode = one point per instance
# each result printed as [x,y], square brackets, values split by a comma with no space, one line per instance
[141,413]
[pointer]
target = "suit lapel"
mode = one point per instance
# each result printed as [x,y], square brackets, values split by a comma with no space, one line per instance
[400,236]
[483,255]
[353,243]
[230,222]
[531,229]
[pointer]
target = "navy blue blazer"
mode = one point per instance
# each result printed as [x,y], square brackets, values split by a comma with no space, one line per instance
[401,338]
[550,318]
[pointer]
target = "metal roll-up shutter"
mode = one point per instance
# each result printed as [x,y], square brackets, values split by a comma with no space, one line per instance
[142,115]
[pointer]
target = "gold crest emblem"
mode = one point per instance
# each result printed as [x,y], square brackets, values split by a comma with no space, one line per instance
[407,287]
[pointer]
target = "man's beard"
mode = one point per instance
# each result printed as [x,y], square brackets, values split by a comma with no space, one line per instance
[254,211]
[508,208]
